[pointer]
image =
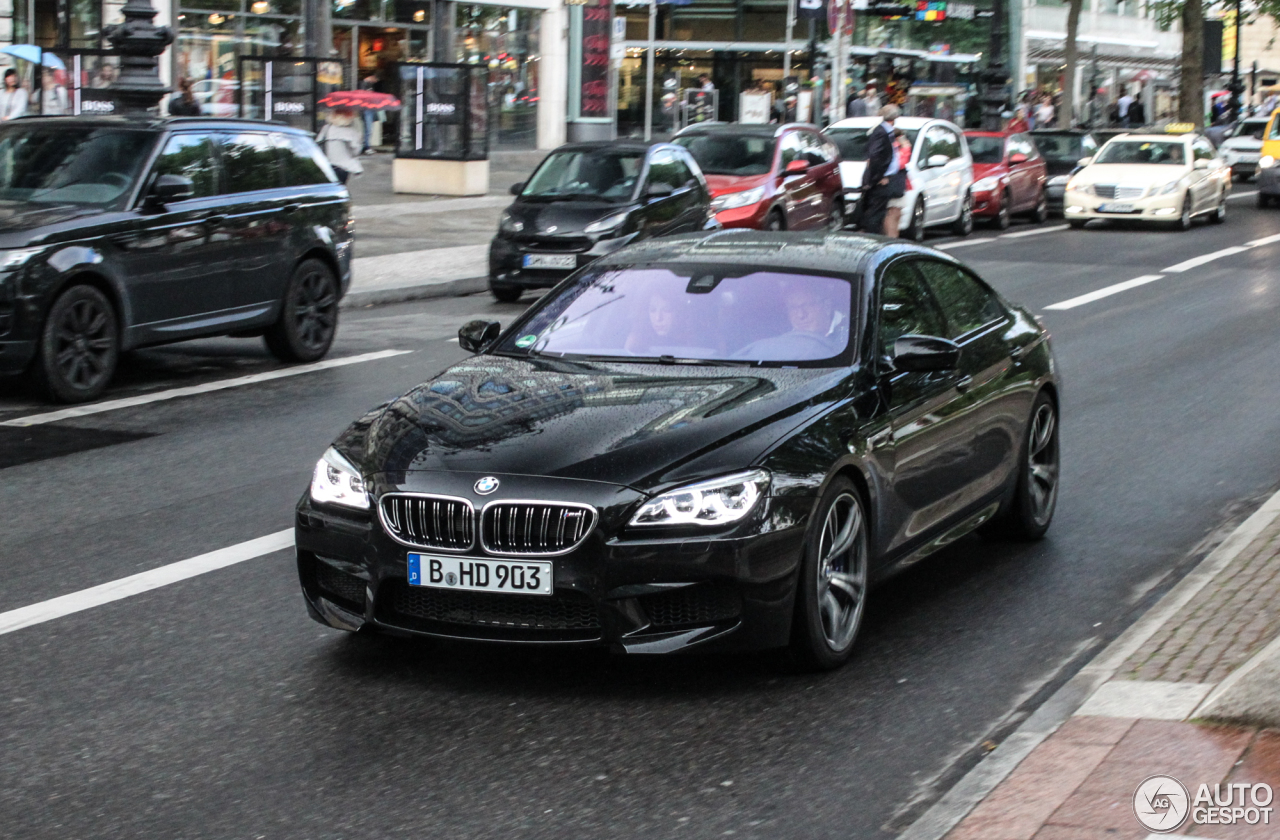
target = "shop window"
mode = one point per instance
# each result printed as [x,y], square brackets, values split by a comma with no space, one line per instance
[355,9]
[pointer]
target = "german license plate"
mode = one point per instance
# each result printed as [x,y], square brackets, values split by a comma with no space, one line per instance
[1115,208]
[550,261]
[511,577]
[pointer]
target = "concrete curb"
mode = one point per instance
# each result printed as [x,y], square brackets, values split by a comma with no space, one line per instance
[979,782]
[421,291]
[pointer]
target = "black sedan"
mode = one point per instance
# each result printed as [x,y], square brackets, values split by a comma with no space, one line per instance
[586,200]
[708,441]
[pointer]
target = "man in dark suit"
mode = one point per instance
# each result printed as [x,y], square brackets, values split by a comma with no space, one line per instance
[882,162]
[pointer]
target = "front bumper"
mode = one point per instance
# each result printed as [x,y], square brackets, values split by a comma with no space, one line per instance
[636,593]
[1054,195]
[506,258]
[1244,167]
[751,216]
[1269,180]
[1156,208]
[986,204]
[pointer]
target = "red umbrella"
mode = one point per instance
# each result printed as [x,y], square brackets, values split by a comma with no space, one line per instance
[369,100]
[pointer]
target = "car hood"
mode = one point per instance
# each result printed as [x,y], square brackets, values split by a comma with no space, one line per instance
[721,184]
[560,217]
[1242,144]
[640,426]
[982,170]
[1125,173]
[21,221]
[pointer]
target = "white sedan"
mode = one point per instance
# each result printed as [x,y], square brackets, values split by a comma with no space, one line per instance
[1150,178]
[941,171]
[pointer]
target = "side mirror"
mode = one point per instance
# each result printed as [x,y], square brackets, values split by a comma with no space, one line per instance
[1085,161]
[925,352]
[796,166]
[517,188]
[658,189]
[169,188]
[1018,158]
[476,336]
[1201,164]
[936,160]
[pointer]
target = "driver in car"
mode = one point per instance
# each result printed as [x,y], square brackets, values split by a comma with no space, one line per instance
[816,329]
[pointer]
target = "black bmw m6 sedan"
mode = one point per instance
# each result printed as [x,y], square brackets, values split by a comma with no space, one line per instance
[708,441]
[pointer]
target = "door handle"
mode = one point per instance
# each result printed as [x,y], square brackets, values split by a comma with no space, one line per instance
[215,219]
[291,208]
[964,383]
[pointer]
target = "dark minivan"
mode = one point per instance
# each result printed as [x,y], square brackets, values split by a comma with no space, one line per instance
[586,200]
[117,234]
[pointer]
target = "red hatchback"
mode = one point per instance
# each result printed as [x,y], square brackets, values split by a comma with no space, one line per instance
[1009,176]
[768,177]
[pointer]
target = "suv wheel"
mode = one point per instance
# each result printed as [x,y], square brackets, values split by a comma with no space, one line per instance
[79,346]
[308,315]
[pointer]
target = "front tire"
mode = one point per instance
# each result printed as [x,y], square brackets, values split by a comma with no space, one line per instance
[308,319]
[1036,496]
[1220,212]
[1185,219]
[1264,200]
[1041,214]
[79,346]
[1005,217]
[505,294]
[832,583]
[963,226]
[775,221]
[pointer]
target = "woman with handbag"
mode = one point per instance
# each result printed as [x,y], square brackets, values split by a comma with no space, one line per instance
[899,185]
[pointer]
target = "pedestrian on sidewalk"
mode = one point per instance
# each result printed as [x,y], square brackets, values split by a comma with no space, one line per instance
[369,82]
[342,143]
[183,103]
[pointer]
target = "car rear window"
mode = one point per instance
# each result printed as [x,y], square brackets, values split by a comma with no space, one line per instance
[719,154]
[852,142]
[986,149]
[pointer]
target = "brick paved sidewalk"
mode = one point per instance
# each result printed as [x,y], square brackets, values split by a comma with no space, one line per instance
[1193,701]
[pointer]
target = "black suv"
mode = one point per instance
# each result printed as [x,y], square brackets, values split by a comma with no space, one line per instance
[586,200]
[117,234]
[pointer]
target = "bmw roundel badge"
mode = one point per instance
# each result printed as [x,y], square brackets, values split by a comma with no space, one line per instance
[486,485]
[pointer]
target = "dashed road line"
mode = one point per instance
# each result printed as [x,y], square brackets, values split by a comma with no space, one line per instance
[126,587]
[1196,262]
[190,390]
[1106,292]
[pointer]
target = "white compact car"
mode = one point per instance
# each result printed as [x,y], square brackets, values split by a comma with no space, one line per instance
[1242,149]
[941,171]
[1150,178]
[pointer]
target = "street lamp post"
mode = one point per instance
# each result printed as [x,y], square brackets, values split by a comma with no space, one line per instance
[139,42]
[1237,84]
[995,76]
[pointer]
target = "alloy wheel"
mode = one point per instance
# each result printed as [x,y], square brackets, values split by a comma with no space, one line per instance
[1184,221]
[842,571]
[774,222]
[916,231]
[1042,463]
[315,309]
[1003,217]
[84,344]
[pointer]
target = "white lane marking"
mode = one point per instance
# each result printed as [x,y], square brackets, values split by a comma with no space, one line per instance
[96,596]
[174,393]
[1035,232]
[1249,194]
[1196,262]
[1106,292]
[1266,240]
[965,243]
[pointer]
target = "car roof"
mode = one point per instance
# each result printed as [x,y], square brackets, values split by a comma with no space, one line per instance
[820,251]
[622,145]
[1079,132]
[156,123]
[1152,138]
[870,122]
[743,129]
[975,132]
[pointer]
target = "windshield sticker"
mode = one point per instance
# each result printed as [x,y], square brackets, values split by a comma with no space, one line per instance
[526,341]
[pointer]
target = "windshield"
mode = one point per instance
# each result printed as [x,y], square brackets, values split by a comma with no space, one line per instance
[1142,151]
[986,149]
[718,154]
[76,165]
[727,314]
[853,141]
[1251,128]
[1059,147]
[594,175]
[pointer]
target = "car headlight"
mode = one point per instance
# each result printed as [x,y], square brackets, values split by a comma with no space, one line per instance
[712,502]
[508,224]
[1059,180]
[10,260]
[986,184]
[1266,162]
[729,201]
[607,223]
[336,482]
[1172,186]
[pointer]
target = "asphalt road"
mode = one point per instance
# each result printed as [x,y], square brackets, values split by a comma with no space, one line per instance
[215,708]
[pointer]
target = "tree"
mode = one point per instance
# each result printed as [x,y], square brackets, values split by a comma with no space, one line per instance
[1191,67]
[1066,115]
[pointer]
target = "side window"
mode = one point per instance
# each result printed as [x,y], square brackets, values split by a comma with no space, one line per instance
[906,307]
[965,302]
[1202,150]
[302,161]
[191,156]
[792,148]
[1088,146]
[813,150]
[940,141]
[1020,144]
[664,168]
[682,172]
[250,162]
[952,141]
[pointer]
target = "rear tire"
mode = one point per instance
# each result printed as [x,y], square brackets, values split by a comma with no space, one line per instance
[308,319]
[916,232]
[831,585]
[1077,224]
[1264,200]
[79,346]
[963,226]
[505,294]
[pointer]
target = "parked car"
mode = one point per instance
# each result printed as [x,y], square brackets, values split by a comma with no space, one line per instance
[711,441]
[1011,177]
[118,233]
[1268,174]
[941,171]
[1062,150]
[586,200]
[768,177]
[1242,149]
[1164,178]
